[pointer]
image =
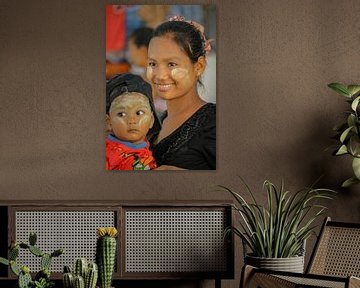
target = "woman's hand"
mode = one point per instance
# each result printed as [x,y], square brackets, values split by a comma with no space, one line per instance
[168,167]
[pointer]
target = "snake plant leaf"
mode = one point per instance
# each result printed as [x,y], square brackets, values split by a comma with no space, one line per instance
[356,167]
[345,134]
[349,182]
[355,103]
[340,88]
[342,150]
[280,227]
[353,89]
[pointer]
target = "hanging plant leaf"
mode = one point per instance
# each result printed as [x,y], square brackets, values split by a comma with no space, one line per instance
[356,167]
[354,146]
[340,88]
[355,103]
[345,134]
[349,182]
[353,89]
[351,120]
[342,150]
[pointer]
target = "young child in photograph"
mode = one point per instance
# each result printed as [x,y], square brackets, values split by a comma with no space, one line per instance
[130,119]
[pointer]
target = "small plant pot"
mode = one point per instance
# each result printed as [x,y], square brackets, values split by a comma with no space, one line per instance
[291,264]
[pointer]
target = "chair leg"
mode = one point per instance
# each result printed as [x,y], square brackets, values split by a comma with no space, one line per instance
[246,272]
[217,283]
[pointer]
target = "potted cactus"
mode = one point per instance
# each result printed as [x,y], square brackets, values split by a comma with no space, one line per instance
[42,278]
[106,254]
[85,275]
[348,132]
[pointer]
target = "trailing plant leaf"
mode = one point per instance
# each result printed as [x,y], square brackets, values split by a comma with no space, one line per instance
[349,182]
[342,150]
[349,132]
[340,88]
[353,90]
[356,167]
[355,103]
[345,134]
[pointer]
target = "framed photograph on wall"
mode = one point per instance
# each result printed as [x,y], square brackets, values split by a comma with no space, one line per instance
[160,87]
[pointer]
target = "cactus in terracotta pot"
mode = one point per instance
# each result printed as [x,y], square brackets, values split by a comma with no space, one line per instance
[106,254]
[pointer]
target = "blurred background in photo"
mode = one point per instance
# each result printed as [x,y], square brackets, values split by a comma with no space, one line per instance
[129,29]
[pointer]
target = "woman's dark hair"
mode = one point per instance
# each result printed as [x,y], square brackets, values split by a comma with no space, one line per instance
[186,36]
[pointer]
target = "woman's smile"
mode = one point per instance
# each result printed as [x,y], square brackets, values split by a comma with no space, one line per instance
[164,87]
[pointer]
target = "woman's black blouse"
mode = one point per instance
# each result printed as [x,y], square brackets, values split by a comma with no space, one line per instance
[192,145]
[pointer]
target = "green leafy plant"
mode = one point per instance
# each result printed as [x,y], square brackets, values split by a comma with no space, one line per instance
[279,229]
[42,278]
[349,132]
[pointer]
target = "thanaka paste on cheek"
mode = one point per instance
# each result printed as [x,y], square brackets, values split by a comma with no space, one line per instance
[149,73]
[146,121]
[180,74]
[130,104]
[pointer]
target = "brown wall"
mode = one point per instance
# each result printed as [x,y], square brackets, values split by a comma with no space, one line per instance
[275,112]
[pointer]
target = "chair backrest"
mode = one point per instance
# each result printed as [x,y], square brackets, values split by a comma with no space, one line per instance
[337,251]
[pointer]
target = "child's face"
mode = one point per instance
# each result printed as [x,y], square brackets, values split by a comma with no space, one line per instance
[130,117]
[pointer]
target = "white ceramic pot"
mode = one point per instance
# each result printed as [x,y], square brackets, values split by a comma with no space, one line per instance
[291,264]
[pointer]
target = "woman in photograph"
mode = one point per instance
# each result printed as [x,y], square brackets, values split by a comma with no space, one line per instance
[176,62]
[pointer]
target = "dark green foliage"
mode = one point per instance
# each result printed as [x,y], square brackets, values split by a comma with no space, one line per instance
[13,253]
[348,132]
[79,282]
[45,261]
[81,267]
[42,278]
[24,280]
[57,252]
[68,280]
[42,283]
[91,276]
[279,228]
[14,268]
[23,245]
[32,239]
[44,273]
[36,251]
[67,269]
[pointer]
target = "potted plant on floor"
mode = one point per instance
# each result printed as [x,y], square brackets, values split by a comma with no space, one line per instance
[348,132]
[275,234]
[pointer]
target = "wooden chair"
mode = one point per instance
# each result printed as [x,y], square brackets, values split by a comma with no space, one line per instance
[335,262]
